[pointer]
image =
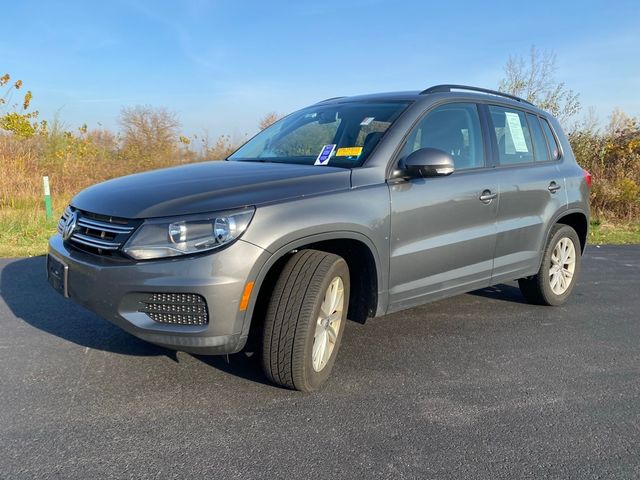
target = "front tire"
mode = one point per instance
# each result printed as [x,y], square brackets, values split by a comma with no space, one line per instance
[305,319]
[559,270]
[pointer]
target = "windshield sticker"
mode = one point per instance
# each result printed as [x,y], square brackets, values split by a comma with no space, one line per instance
[367,121]
[349,152]
[325,155]
[516,136]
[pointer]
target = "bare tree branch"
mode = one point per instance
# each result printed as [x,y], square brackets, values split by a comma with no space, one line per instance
[534,80]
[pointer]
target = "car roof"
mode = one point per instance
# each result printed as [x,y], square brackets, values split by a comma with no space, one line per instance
[426,96]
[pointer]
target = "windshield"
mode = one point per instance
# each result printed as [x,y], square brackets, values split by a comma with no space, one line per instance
[340,135]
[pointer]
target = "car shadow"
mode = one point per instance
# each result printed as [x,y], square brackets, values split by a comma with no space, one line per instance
[244,365]
[502,291]
[24,289]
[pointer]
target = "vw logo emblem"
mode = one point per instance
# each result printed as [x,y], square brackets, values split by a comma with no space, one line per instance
[69,226]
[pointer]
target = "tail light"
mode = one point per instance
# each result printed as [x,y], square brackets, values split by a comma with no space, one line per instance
[587,177]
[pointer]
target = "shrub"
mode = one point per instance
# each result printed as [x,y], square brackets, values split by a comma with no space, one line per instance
[612,155]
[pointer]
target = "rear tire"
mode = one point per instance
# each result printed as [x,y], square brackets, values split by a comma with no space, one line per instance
[301,339]
[559,270]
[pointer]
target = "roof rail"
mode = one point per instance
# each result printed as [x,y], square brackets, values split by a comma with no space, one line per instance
[329,99]
[448,88]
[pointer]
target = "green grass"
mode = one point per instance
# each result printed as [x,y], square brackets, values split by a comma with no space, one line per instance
[24,232]
[614,233]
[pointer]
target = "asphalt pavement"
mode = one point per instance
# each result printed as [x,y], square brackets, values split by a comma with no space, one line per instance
[477,386]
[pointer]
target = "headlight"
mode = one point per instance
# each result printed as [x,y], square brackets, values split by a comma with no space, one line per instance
[169,237]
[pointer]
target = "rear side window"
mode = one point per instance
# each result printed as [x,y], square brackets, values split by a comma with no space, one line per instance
[512,135]
[540,150]
[551,139]
[453,128]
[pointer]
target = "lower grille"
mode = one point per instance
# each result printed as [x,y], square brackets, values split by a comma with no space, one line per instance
[176,308]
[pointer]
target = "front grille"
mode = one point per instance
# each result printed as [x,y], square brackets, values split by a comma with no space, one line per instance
[176,308]
[63,219]
[96,233]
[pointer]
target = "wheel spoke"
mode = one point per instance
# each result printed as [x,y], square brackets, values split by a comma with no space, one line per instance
[323,308]
[338,297]
[319,328]
[318,346]
[328,301]
[328,324]
[326,350]
[333,336]
[334,296]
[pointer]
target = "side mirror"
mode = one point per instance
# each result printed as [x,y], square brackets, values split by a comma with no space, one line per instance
[428,162]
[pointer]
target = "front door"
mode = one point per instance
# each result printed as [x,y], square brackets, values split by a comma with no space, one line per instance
[443,229]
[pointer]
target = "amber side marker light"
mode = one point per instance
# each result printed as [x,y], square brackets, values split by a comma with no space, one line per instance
[244,302]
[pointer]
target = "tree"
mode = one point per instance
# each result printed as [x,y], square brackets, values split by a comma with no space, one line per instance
[621,124]
[269,119]
[533,79]
[148,131]
[17,120]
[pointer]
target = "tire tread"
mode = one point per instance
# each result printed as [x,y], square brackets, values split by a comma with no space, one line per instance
[293,298]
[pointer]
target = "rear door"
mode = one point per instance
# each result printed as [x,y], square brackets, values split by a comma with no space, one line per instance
[530,190]
[442,233]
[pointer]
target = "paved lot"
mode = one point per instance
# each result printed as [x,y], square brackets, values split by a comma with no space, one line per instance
[477,386]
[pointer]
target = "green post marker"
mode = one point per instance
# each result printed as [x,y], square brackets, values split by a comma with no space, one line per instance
[47,198]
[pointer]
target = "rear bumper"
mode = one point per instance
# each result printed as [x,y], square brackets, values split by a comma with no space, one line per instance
[113,289]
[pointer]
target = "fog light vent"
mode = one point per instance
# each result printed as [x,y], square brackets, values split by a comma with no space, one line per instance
[176,308]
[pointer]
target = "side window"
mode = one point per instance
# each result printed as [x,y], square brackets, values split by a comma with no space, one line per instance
[454,128]
[512,135]
[553,145]
[539,143]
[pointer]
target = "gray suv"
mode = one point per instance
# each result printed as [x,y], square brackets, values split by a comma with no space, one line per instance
[354,207]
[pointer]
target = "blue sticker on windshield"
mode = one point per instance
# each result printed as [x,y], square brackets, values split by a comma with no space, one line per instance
[325,155]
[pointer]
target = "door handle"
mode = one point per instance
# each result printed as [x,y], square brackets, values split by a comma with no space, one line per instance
[486,196]
[554,187]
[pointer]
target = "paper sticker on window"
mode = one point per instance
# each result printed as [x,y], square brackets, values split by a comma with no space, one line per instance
[325,154]
[367,121]
[514,142]
[349,152]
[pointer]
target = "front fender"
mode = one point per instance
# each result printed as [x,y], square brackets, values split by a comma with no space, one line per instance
[357,214]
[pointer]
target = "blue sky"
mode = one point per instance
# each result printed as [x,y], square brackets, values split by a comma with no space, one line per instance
[220,65]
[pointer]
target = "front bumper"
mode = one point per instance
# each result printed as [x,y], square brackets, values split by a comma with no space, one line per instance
[112,289]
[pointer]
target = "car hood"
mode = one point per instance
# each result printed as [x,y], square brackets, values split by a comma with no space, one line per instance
[206,187]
